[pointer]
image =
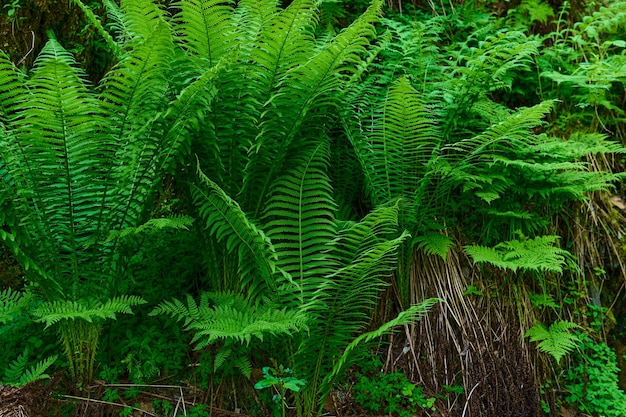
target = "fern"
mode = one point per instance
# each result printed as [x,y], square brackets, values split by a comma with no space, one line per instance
[539,254]
[434,244]
[232,318]
[172,222]
[339,303]
[226,220]
[557,341]
[17,374]
[299,216]
[11,303]
[348,357]
[56,311]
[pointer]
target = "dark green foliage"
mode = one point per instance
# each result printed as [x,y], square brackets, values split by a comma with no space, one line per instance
[391,393]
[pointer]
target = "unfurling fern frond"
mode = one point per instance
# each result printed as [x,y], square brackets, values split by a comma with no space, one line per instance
[539,254]
[557,341]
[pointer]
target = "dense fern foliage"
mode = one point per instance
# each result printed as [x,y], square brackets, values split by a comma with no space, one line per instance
[287,183]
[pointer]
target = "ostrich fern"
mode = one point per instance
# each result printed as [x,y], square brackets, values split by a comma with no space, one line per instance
[78,164]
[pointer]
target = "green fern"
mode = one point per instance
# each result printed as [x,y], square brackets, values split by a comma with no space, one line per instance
[225,219]
[349,356]
[172,222]
[340,302]
[11,303]
[53,312]
[556,341]
[539,254]
[232,318]
[434,244]
[17,374]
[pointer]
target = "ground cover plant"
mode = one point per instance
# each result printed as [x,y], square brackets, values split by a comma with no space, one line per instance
[258,196]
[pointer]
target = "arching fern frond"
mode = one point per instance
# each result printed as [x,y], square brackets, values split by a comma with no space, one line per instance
[231,317]
[56,311]
[540,254]
[224,218]
[350,355]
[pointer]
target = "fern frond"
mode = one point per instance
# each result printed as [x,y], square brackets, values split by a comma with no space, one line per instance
[51,313]
[539,254]
[556,341]
[434,244]
[17,374]
[12,90]
[397,144]
[206,28]
[138,19]
[171,222]
[231,317]
[37,372]
[16,368]
[349,355]
[11,303]
[299,215]
[225,219]
[227,323]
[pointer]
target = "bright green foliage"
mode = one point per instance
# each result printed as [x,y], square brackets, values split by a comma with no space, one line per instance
[539,254]
[592,382]
[231,317]
[557,341]
[53,312]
